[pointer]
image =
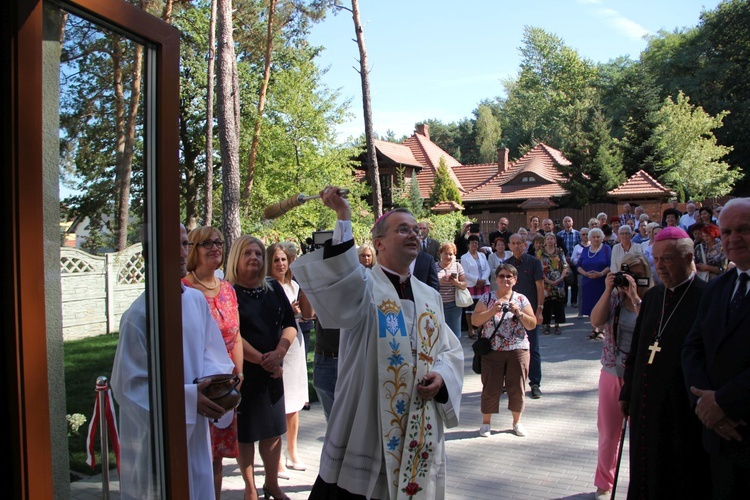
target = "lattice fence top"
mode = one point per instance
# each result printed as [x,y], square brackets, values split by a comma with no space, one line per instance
[73,261]
[132,270]
[72,265]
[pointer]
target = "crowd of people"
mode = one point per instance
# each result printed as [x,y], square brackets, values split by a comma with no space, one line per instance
[391,312]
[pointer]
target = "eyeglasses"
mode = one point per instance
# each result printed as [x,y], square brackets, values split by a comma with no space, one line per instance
[404,230]
[505,276]
[208,244]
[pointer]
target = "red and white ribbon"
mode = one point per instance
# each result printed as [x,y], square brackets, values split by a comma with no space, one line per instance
[109,415]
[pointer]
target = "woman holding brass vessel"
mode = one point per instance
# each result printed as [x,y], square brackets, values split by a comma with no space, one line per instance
[268,329]
[205,256]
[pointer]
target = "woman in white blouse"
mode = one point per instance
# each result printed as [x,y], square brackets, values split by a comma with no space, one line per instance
[477,272]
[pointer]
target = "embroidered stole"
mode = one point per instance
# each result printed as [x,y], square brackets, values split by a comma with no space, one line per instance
[407,421]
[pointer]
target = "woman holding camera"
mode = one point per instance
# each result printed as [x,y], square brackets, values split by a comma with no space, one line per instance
[616,312]
[505,316]
[450,276]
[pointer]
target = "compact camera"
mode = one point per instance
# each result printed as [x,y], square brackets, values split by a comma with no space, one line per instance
[622,281]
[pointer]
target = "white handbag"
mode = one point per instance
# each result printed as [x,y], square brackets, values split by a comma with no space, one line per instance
[463,298]
[704,275]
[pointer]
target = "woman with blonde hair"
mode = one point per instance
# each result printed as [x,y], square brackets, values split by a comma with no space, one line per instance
[279,256]
[366,254]
[616,312]
[268,330]
[450,275]
[205,256]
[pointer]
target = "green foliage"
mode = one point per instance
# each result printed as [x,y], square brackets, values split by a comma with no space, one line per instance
[551,96]
[443,189]
[488,133]
[710,63]
[444,228]
[88,125]
[406,194]
[690,156]
[596,166]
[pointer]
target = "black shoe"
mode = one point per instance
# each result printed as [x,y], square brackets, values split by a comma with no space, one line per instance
[536,393]
[267,494]
[306,407]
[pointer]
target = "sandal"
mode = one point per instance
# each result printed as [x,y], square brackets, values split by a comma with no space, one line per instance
[557,330]
[593,334]
[599,336]
[546,329]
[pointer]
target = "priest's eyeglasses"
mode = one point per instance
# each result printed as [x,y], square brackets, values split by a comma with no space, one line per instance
[208,244]
[404,230]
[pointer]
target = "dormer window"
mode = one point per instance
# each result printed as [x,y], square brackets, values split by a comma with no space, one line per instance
[529,178]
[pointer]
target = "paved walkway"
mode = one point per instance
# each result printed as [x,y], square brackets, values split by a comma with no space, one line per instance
[556,460]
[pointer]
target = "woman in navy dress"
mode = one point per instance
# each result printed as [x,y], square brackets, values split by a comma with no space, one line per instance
[593,266]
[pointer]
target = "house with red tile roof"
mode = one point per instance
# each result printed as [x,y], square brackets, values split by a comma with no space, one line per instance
[642,189]
[529,186]
[533,180]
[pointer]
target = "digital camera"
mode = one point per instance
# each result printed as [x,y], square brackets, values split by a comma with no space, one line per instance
[622,281]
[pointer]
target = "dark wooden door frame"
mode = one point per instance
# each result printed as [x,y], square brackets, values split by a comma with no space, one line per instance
[23,388]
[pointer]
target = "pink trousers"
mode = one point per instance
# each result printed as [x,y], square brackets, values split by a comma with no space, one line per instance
[609,424]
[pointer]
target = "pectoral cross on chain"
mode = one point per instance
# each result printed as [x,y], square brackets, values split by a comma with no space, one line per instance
[654,348]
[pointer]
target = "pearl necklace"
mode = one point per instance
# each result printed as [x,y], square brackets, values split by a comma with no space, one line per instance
[216,282]
[591,255]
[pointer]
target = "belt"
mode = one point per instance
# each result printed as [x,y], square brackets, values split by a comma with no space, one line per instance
[326,354]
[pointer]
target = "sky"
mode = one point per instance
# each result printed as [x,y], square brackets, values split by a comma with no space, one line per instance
[439,59]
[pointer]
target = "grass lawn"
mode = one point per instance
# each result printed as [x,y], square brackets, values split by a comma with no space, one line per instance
[85,361]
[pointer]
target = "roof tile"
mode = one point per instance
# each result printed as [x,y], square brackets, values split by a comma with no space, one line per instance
[641,184]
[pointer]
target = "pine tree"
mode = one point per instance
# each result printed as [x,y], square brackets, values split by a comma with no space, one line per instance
[444,189]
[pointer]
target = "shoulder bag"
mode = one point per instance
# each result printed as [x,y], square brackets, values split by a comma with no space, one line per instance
[704,275]
[483,345]
[463,297]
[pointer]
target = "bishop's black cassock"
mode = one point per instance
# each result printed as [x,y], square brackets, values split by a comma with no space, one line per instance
[666,456]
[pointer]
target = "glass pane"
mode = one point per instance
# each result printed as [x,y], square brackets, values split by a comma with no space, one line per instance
[95,157]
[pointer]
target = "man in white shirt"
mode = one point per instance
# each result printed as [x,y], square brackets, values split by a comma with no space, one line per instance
[688,218]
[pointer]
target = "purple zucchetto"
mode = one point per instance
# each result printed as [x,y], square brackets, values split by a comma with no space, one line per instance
[671,233]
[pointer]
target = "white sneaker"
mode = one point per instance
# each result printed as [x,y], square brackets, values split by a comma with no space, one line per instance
[484,430]
[519,429]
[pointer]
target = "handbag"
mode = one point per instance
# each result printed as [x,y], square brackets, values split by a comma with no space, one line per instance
[704,275]
[483,345]
[463,298]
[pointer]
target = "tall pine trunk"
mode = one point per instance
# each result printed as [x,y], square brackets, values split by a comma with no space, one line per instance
[261,103]
[372,160]
[227,106]
[209,202]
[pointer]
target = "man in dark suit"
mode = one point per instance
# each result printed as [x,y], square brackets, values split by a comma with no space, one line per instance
[502,232]
[716,360]
[427,244]
[423,268]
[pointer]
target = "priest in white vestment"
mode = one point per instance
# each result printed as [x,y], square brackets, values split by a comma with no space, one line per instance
[204,353]
[400,366]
